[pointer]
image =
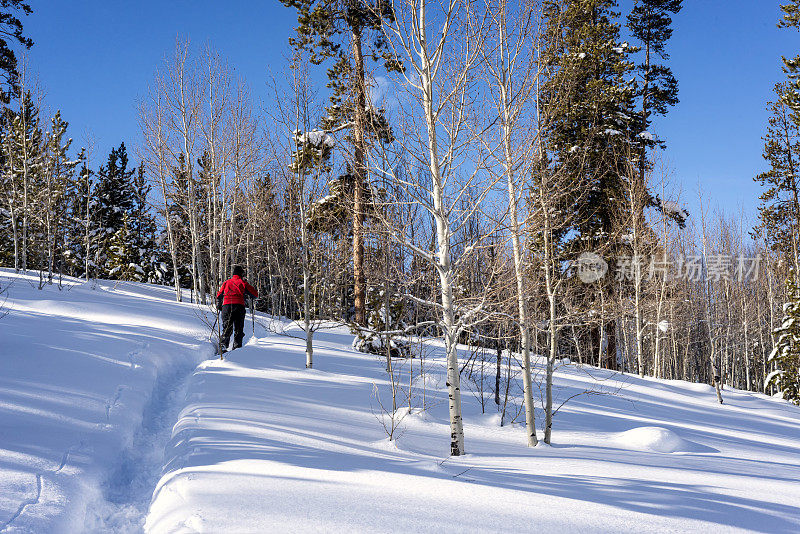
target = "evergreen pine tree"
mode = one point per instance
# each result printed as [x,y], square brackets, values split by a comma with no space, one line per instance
[323,26]
[143,229]
[115,197]
[77,247]
[779,210]
[589,127]
[11,27]
[123,255]
[657,89]
[786,353]
[791,66]
[590,103]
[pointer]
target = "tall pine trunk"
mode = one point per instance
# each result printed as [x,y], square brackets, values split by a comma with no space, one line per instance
[360,171]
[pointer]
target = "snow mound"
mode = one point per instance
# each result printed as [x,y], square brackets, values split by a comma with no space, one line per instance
[653,439]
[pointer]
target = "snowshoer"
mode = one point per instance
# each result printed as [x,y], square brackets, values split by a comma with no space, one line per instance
[231,300]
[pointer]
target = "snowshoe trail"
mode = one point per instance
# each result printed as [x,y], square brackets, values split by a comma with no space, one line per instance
[92,382]
[129,487]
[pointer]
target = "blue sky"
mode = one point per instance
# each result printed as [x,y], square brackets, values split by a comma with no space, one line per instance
[95,58]
[726,56]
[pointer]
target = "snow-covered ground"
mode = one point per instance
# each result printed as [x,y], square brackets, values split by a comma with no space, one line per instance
[93,377]
[87,380]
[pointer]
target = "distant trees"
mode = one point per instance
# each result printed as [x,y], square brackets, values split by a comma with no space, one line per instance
[15,190]
[125,241]
[114,200]
[202,149]
[59,216]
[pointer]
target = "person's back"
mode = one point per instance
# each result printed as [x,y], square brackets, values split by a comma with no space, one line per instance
[231,301]
[234,291]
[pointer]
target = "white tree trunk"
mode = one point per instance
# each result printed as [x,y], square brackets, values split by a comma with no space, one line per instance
[508,116]
[550,287]
[443,266]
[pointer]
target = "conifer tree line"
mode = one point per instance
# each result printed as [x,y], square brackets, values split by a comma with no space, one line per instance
[488,173]
[61,217]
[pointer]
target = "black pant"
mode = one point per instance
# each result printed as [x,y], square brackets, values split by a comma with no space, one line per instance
[232,319]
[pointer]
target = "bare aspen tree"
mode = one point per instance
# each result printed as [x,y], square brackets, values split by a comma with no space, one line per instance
[634,222]
[360,168]
[12,193]
[156,158]
[663,276]
[58,170]
[553,193]
[86,184]
[245,159]
[637,201]
[51,196]
[510,62]
[202,148]
[183,100]
[212,122]
[300,159]
[25,158]
[709,306]
[24,150]
[437,83]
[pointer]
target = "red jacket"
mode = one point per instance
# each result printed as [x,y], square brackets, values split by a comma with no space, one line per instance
[235,289]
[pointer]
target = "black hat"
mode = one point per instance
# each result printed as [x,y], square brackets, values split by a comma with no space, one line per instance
[238,270]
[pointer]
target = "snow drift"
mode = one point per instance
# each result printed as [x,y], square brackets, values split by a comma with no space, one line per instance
[655,439]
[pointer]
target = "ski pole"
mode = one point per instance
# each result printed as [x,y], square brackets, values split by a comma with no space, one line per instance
[253,315]
[219,331]
[213,326]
